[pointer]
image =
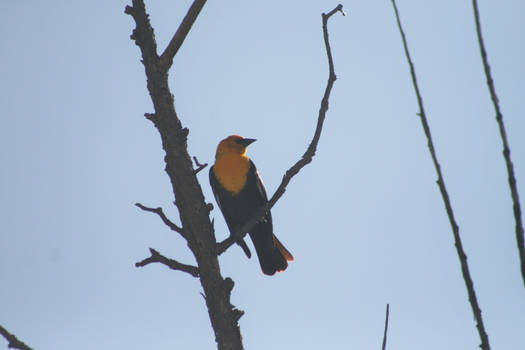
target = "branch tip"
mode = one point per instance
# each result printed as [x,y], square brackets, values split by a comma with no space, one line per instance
[386,327]
[182,32]
[261,213]
[156,257]
[164,218]
[199,165]
[338,8]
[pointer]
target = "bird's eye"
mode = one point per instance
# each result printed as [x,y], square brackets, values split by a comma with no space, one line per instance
[239,141]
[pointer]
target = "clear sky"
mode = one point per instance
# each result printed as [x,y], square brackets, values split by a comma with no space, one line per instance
[365,220]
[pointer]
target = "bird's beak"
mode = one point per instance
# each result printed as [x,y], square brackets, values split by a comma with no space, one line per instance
[247,142]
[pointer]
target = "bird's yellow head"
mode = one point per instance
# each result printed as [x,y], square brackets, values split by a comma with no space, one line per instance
[233,145]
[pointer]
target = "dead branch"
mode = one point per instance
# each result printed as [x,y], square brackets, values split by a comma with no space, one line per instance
[164,218]
[156,257]
[199,165]
[13,342]
[193,210]
[444,194]
[181,33]
[307,156]
[386,327]
[506,149]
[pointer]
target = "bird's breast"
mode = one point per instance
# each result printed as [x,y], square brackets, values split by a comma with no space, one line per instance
[232,172]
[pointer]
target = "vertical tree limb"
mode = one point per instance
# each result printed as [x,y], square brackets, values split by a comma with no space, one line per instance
[386,327]
[448,206]
[193,211]
[506,149]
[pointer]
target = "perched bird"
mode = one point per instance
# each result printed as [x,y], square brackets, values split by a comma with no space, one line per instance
[239,191]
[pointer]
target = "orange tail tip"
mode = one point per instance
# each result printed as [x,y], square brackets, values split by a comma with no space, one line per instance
[287,255]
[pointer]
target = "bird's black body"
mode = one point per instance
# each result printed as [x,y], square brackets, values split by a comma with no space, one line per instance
[239,208]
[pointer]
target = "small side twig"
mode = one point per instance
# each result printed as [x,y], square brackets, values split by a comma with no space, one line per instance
[199,165]
[14,343]
[173,47]
[156,257]
[446,199]
[506,149]
[386,327]
[164,218]
[307,156]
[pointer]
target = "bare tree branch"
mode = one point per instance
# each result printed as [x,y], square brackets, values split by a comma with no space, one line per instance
[506,149]
[14,343]
[307,156]
[143,34]
[176,42]
[441,183]
[189,198]
[161,214]
[156,257]
[199,165]
[386,327]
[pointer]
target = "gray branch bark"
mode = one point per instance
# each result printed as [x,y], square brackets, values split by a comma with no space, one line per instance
[476,310]
[193,211]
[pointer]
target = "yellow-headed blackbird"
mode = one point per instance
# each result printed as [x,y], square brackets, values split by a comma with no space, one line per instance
[239,191]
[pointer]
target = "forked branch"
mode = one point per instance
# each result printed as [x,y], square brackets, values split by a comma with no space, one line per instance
[166,58]
[307,156]
[163,217]
[156,257]
[199,165]
[444,194]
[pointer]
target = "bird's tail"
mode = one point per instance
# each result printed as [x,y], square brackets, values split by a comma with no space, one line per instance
[272,254]
[287,255]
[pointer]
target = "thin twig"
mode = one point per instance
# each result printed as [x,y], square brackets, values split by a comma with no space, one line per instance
[164,218]
[14,343]
[386,327]
[506,150]
[441,183]
[199,165]
[178,38]
[156,257]
[307,156]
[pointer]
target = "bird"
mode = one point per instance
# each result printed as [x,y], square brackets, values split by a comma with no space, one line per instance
[239,192]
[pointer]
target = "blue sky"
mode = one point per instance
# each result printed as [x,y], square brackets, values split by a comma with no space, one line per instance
[365,220]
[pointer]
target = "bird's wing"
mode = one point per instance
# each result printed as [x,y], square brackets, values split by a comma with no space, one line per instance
[215,186]
[259,182]
[218,191]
